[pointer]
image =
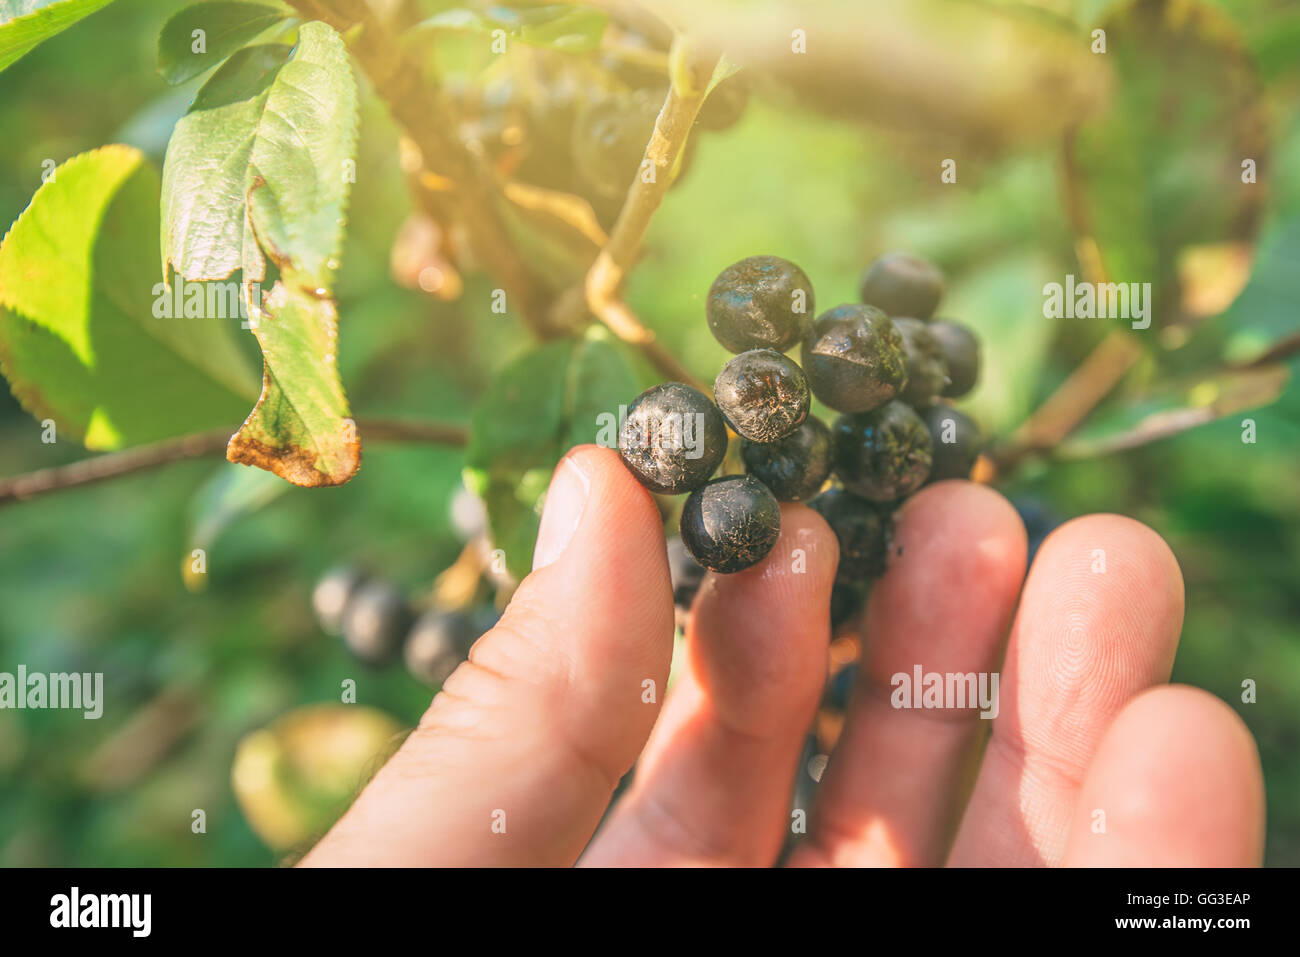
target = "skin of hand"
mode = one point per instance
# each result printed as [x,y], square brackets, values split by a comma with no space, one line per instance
[516,760]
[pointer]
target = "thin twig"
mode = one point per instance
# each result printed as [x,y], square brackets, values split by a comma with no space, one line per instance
[1233,394]
[403,430]
[667,142]
[600,292]
[574,211]
[196,446]
[622,319]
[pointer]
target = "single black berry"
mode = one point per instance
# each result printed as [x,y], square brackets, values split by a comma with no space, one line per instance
[882,455]
[731,523]
[330,596]
[609,138]
[673,438]
[437,643]
[1040,521]
[551,111]
[961,354]
[685,572]
[853,358]
[902,285]
[927,372]
[863,531]
[375,621]
[763,302]
[796,467]
[762,394]
[956,442]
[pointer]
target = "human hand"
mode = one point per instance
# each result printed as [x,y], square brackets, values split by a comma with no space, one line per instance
[517,758]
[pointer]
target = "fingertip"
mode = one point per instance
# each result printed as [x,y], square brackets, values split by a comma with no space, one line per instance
[596,517]
[715,780]
[1105,543]
[792,580]
[893,788]
[804,556]
[1105,599]
[958,555]
[799,520]
[964,511]
[619,489]
[1176,781]
[1197,714]
[758,637]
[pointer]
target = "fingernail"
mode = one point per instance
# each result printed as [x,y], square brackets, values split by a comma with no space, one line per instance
[565,500]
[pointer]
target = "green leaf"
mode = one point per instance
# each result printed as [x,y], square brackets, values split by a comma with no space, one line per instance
[84,336]
[278,123]
[258,168]
[300,428]
[26,23]
[560,26]
[518,422]
[226,25]
[539,406]
[206,232]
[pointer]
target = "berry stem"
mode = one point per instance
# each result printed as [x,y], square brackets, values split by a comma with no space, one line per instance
[599,292]
[667,141]
[199,445]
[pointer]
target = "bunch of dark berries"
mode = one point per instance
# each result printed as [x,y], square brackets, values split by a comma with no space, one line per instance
[885,364]
[378,625]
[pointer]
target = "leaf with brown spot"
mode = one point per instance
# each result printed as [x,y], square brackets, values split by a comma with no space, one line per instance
[299,428]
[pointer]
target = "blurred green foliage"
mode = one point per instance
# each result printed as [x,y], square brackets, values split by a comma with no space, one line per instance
[90,579]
